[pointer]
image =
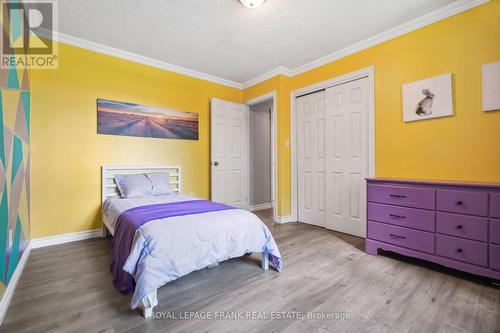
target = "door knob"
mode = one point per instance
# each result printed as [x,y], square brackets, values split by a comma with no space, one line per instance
[216,163]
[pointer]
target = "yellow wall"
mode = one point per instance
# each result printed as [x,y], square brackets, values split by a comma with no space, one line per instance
[465,146]
[67,153]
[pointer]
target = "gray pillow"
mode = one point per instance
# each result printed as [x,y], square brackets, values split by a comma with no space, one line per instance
[161,183]
[134,185]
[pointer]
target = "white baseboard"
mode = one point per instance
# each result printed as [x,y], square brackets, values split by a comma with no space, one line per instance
[11,287]
[65,238]
[260,207]
[284,219]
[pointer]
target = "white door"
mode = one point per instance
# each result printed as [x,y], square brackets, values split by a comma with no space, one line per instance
[347,156]
[229,153]
[311,158]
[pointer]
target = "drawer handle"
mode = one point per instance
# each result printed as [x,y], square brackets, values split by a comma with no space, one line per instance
[460,203]
[460,226]
[397,217]
[460,250]
[397,236]
[398,196]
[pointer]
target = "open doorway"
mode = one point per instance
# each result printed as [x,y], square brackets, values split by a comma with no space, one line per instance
[261,162]
[260,182]
[231,159]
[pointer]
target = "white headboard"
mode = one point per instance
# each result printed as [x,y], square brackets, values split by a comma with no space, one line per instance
[109,188]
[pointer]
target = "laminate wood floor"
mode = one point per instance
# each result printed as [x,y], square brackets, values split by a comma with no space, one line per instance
[67,288]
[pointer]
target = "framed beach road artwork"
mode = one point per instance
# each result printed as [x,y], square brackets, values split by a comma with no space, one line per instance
[429,98]
[121,118]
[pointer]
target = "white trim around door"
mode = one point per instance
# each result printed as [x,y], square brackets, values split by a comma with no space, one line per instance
[368,72]
[274,131]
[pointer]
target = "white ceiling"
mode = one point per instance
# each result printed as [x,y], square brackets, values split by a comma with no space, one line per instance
[224,39]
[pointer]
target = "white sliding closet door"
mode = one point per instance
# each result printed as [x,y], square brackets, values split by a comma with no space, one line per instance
[332,162]
[347,156]
[311,158]
[229,153]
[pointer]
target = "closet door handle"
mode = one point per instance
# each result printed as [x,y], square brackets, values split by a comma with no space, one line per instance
[216,163]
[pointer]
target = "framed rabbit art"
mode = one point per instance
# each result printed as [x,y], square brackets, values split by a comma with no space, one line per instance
[429,98]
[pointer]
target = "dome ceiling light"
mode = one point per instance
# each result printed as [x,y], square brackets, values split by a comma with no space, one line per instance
[252,3]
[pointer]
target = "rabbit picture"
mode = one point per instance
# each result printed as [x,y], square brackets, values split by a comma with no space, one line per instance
[424,107]
[428,98]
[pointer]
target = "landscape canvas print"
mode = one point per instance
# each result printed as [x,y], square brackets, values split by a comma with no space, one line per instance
[429,98]
[120,118]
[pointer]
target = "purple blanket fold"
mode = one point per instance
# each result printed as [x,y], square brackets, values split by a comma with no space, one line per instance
[130,220]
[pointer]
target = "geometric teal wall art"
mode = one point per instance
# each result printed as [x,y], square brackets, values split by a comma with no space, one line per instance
[14,169]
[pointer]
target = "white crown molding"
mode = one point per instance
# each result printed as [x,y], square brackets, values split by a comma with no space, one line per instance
[101,48]
[65,238]
[11,287]
[420,22]
[281,70]
[415,24]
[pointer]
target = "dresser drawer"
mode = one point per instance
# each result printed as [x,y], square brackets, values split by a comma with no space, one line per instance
[406,217]
[462,249]
[409,238]
[495,231]
[495,257]
[463,202]
[495,204]
[465,226]
[417,197]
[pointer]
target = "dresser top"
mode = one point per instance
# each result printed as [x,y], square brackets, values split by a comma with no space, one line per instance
[434,182]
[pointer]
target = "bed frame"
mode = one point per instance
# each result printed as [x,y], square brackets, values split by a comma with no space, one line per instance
[110,189]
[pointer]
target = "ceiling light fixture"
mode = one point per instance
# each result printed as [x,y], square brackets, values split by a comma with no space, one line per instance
[252,3]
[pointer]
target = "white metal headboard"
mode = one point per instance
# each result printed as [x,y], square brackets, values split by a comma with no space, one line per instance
[109,188]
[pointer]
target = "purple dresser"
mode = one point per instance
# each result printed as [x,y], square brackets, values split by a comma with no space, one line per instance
[453,224]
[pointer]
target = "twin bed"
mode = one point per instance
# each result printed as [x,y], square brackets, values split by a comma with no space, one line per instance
[159,238]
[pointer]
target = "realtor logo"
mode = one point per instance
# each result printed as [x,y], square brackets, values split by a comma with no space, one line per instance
[28,38]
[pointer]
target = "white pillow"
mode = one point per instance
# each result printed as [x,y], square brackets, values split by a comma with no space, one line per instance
[161,183]
[134,185]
